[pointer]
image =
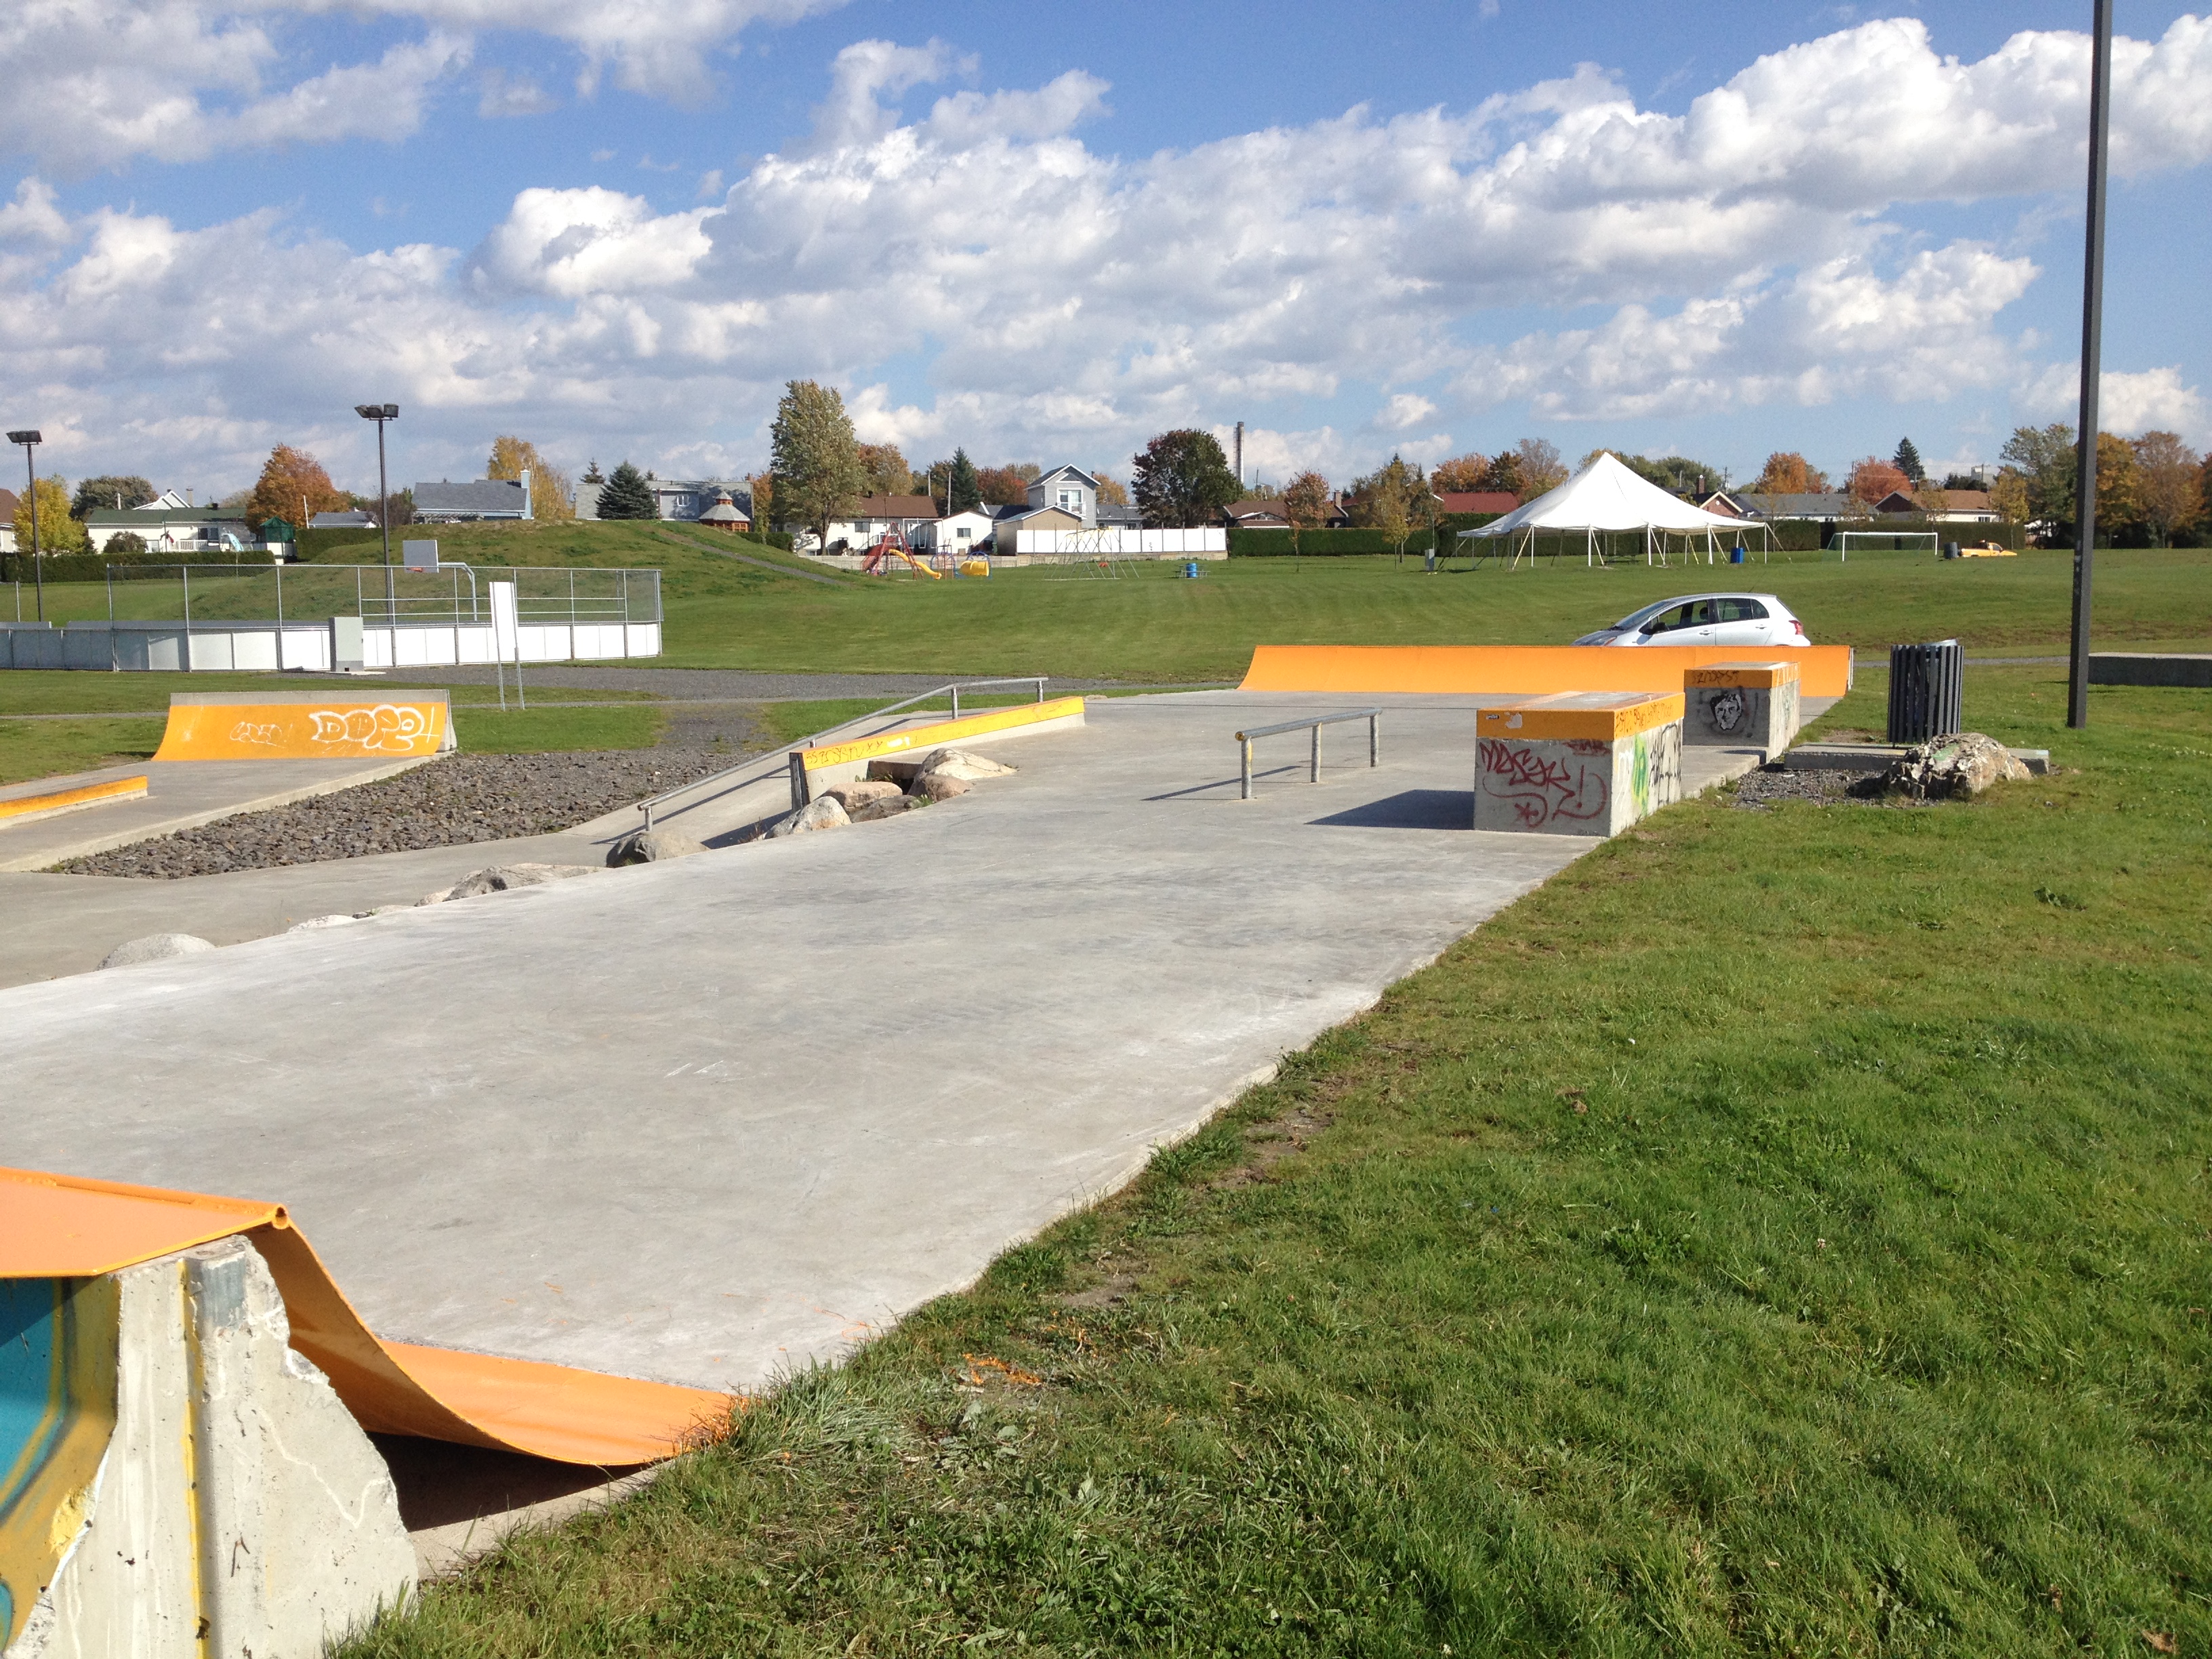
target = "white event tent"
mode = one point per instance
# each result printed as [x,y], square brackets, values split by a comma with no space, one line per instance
[1607,498]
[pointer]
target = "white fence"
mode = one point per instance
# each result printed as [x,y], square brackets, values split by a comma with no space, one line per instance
[267,648]
[1114,541]
[401,618]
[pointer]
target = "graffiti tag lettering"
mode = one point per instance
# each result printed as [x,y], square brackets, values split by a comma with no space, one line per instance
[387,727]
[1540,788]
[253,731]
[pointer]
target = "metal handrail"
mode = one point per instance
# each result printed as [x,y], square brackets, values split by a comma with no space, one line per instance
[1372,716]
[954,690]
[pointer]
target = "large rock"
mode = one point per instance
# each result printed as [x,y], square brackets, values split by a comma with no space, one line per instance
[823,814]
[651,845]
[503,878]
[964,764]
[860,793]
[156,947]
[938,786]
[889,806]
[1953,768]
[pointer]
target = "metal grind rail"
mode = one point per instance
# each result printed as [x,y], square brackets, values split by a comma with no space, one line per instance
[1372,716]
[952,691]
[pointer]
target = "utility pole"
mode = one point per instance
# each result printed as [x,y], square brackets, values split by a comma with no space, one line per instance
[380,413]
[30,440]
[1240,456]
[2092,321]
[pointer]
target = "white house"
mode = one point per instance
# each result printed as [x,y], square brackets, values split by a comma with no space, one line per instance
[864,525]
[959,532]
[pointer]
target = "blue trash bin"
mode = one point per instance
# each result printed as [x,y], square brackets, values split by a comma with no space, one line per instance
[1735,554]
[1190,568]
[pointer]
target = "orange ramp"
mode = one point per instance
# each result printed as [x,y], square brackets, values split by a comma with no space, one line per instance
[334,725]
[27,809]
[1524,670]
[55,1226]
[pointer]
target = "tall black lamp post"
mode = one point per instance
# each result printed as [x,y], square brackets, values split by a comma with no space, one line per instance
[380,413]
[2093,319]
[30,440]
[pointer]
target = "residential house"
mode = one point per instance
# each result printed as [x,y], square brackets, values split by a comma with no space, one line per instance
[1258,513]
[1066,498]
[171,523]
[9,500]
[1960,507]
[1473,502]
[1750,504]
[352,519]
[1117,515]
[679,500]
[870,518]
[965,532]
[479,500]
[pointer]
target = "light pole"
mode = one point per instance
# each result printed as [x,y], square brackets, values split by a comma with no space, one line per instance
[2092,321]
[380,413]
[30,440]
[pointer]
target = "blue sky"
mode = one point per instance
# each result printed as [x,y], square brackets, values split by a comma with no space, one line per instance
[1046,235]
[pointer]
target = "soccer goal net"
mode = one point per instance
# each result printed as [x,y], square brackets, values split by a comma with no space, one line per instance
[1885,541]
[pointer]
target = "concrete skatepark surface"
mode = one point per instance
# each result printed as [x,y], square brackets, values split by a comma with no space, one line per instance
[703,1122]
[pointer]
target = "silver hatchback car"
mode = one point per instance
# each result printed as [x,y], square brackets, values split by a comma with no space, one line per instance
[1748,619]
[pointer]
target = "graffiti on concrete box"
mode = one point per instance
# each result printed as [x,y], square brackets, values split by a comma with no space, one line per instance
[1655,769]
[1568,781]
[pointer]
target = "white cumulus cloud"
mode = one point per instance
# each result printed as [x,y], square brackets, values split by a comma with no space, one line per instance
[1070,301]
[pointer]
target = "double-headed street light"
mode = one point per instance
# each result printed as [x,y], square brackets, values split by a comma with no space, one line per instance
[380,413]
[30,440]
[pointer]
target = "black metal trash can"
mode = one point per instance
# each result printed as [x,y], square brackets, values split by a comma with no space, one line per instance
[1927,691]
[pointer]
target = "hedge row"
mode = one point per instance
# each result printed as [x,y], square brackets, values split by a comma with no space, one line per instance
[1336,544]
[93,566]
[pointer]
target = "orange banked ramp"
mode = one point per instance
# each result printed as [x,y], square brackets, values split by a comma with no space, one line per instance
[1824,671]
[55,1226]
[335,724]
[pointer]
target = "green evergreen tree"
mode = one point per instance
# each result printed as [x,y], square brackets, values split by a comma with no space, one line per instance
[964,493]
[624,495]
[1907,461]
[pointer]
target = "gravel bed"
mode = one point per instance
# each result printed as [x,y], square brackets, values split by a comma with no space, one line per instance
[1757,790]
[445,803]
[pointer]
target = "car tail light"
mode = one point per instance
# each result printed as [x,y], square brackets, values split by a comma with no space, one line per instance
[1799,626]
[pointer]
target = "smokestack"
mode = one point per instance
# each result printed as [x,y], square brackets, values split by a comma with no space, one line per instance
[1239,454]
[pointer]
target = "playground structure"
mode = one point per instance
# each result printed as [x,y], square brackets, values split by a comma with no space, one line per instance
[893,544]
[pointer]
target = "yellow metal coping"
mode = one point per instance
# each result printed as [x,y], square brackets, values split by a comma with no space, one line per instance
[1756,676]
[1605,718]
[945,731]
[62,800]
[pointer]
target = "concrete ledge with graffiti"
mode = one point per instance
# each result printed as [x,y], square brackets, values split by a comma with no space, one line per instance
[305,726]
[1747,705]
[1588,764]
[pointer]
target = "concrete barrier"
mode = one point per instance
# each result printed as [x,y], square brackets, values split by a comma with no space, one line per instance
[1580,763]
[28,809]
[2149,668]
[1824,671]
[55,1226]
[205,1493]
[814,769]
[305,726]
[1744,705]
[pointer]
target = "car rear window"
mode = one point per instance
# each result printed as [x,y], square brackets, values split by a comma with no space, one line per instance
[1738,610]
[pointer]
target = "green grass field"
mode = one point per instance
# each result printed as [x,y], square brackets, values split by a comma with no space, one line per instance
[1153,626]
[1785,1233]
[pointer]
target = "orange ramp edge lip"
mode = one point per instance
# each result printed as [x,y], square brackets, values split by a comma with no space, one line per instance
[54,1226]
[83,795]
[345,727]
[1825,670]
